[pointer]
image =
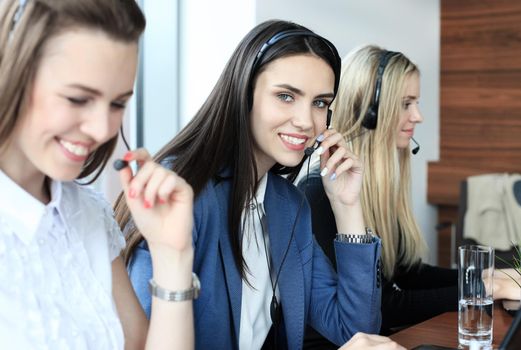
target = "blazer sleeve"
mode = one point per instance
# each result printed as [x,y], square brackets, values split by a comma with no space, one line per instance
[140,272]
[349,300]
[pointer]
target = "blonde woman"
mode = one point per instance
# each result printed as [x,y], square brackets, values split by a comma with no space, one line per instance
[376,109]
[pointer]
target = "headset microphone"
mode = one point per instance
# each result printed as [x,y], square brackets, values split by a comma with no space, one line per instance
[120,163]
[415,149]
[309,150]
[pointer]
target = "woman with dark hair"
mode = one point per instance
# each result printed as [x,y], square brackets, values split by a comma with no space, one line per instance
[263,275]
[67,70]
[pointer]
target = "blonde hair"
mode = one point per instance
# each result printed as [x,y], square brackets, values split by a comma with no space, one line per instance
[26,27]
[385,194]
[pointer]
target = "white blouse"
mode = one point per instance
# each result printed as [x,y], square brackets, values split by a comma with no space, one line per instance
[55,269]
[256,297]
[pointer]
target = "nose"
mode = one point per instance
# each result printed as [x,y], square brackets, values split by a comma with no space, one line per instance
[100,124]
[303,118]
[416,116]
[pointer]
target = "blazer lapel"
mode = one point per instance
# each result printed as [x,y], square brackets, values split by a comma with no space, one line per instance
[280,216]
[232,276]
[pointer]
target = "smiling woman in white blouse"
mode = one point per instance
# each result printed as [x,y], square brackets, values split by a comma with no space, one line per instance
[67,69]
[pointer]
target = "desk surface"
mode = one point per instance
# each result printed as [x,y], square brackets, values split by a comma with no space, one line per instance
[443,330]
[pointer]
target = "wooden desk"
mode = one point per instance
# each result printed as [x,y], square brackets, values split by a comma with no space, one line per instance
[443,330]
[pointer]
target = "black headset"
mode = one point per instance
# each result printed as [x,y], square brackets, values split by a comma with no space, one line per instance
[292,33]
[371,116]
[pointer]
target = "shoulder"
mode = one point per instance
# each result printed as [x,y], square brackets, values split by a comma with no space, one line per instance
[311,179]
[87,196]
[86,201]
[311,185]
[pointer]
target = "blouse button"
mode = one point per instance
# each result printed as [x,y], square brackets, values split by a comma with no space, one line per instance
[41,241]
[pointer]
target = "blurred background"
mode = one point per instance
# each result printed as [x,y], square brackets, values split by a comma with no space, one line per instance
[467,51]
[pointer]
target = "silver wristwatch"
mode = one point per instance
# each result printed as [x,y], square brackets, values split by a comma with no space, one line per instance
[369,237]
[182,295]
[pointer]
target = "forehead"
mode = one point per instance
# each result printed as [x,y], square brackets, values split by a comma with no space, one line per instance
[302,71]
[88,57]
[412,85]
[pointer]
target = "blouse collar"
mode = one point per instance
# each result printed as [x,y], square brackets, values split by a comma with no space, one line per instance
[21,211]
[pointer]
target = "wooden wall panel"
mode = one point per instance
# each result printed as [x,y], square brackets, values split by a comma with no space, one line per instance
[480,35]
[480,98]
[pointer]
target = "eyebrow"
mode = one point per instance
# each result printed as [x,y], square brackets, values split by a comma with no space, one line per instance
[97,92]
[301,93]
[410,97]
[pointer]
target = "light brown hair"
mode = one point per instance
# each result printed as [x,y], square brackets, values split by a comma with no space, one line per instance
[26,27]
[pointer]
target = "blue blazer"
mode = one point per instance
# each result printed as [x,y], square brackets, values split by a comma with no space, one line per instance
[311,292]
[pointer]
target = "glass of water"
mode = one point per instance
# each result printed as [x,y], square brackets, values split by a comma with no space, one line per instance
[476,305]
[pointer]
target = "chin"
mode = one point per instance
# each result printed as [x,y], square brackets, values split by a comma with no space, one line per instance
[290,163]
[64,175]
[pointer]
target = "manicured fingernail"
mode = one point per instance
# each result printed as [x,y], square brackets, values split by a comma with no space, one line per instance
[147,204]
[320,150]
[324,172]
[132,193]
[162,201]
[332,177]
[321,138]
[127,156]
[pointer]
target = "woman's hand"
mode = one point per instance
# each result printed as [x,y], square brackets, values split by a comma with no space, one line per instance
[342,174]
[341,170]
[362,341]
[504,286]
[161,203]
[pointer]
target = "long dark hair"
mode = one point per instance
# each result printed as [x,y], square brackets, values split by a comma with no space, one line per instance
[220,136]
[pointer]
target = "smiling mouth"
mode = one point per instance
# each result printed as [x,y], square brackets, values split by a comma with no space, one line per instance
[292,140]
[75,149]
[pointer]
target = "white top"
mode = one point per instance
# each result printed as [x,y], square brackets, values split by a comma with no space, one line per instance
[55,269]
[255,302]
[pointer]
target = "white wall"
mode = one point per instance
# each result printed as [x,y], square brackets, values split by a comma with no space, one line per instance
[410,26]
[209,30]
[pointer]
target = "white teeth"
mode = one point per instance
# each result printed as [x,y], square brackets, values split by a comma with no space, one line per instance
[292,140]
[75,149]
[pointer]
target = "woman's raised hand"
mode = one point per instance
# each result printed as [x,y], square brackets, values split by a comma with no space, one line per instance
[341,170]
[161,202]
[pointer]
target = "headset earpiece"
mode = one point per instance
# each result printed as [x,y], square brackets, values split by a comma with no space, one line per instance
[371,116]
[328,118]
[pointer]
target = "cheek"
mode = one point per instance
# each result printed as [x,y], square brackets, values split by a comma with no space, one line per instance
[116,122]
[404,117]
[319,124]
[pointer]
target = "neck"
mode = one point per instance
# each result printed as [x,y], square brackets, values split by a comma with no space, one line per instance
[31,180]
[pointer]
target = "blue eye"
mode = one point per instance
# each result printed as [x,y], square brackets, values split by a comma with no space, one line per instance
[285,97]
[320,103]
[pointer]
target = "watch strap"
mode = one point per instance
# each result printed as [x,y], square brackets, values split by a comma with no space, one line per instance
[182,295]
[368,238]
